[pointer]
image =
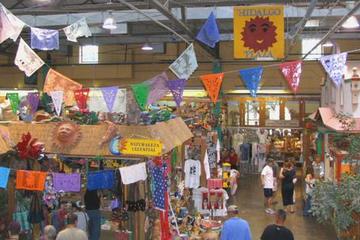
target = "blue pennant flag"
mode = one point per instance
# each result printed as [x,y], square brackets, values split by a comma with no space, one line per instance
[209,33]
[252,78]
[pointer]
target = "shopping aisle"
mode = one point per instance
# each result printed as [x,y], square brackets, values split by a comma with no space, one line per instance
[249,199]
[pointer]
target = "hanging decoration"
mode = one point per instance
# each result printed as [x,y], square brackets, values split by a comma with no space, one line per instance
[160,187]
[141,93]
[14,101]
[252,78]
[57,99]
[101,180]
[259,31]
[10,25]
[55,81]
[44,39]
[81,97]
[25,111]
[335,66]
[212,83]
[4,176]
[26,59]
[209,33]
[30,180]
[185,64]
[176,88]
[292,73]
[33,99]
[67,182]
[109,95]
[158,88]
[29,148]
[78,29]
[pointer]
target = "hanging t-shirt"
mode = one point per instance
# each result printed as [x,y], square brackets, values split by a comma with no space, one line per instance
[212,155]
[192,171]
[268,175]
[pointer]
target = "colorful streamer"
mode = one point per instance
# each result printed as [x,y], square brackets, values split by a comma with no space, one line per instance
[252,78]
[141,93]
[292,73]
[209,33]
[335,66]
[212,83]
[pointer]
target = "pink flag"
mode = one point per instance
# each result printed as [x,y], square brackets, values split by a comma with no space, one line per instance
[292,73]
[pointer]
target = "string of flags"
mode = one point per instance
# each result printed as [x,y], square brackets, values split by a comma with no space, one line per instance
[64,90]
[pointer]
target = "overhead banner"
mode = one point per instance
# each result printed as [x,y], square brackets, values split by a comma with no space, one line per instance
[259,31]
[30,180]
[292,73]
[176,87]
[209,33]
[158,87]
[76,30]
[252,78]
[26,59]
[185,64]
[335,66]
[212,83]
[10,25]
[143,147]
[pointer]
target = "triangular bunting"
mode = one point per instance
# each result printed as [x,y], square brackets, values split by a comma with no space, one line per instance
[335,65]
[14,101]
[292,73]
[109,94]
[33,99]
[141,93]
[185,64]
[10,25]
[252,78]
[55,81]
[81,97]
[76,30]
[212,83]
[26,59]
[209,33]
[44,39]
[176,88]
[158,87]
[57,98]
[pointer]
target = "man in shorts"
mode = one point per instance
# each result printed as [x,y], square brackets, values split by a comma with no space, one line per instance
[267,182]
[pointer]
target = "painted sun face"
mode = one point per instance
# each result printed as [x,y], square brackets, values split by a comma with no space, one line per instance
[259,34]
[66,134]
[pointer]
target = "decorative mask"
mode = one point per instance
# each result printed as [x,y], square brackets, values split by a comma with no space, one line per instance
[66,134]
[259,34]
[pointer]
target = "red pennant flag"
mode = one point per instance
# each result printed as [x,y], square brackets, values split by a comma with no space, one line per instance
[212,84]
[292,73]
[81,96]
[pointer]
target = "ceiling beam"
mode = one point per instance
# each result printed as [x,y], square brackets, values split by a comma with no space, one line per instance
[334,28]
[181,25]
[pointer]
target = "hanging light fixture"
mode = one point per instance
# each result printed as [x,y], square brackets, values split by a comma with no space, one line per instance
[147,47]
[109,22]
[351,22]
[328,44]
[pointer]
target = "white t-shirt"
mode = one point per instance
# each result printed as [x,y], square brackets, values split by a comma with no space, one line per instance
[268,175]
[133,173]
[71,234]
[192,171]
[82,220]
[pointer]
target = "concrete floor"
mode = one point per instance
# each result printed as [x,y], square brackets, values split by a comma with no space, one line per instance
[249,199]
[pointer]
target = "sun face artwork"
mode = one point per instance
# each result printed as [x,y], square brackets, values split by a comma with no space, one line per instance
[259,32]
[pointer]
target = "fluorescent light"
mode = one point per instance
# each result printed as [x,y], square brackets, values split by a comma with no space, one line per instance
[328,44]
[109,22]
[312,23]
[351,22]
[147,47]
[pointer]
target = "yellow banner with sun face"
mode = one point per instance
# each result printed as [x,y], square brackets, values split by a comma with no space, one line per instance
[259,31]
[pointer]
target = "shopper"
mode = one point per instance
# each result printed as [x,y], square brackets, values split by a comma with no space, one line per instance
[71,232]
[267,181]
[277,231]
[287,175]
[235,228]
[14,229]
[82,217]
[309,186]
[58,217]
[275,168]
[49,233]
[92,206]
[233,159]
[319,169]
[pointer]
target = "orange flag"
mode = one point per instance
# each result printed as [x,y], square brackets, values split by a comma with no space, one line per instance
[30,180]
[55,81]
[212,84]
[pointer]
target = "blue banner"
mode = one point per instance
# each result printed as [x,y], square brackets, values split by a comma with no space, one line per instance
[101,180]
[252,78]
[209,33]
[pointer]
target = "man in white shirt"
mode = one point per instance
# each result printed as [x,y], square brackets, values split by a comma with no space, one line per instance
[267,181]
[71,232]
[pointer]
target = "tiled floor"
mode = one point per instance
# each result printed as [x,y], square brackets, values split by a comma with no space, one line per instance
[249,199]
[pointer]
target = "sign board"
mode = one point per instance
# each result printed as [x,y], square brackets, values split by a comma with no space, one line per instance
[259,31]
[282,123]
[142,147]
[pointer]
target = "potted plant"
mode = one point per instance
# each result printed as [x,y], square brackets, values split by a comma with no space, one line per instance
[339,203]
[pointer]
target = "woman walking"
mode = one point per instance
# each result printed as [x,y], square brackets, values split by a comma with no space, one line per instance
[287,176]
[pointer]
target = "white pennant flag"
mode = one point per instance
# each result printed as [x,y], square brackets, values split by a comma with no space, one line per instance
[77,29]
[26,59]
[10,25]
[57,98]
[185,64]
